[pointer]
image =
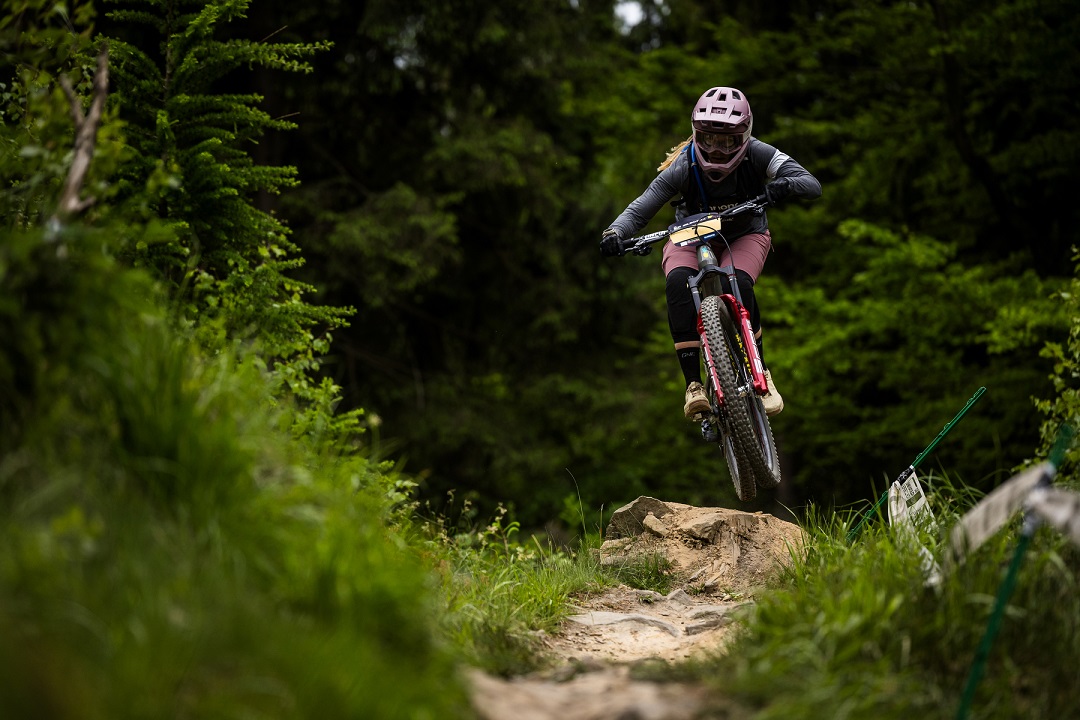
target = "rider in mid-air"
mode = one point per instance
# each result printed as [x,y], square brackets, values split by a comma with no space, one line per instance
[719,166]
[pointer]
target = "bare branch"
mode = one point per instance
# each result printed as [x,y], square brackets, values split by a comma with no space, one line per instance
[73,99]
[273,33]
[86,128]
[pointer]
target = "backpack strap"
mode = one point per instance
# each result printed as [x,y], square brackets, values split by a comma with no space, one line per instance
[695,170]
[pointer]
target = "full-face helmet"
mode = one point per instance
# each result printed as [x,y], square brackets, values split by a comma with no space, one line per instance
[722,124]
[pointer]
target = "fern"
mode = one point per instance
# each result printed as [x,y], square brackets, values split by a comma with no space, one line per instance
[228,264]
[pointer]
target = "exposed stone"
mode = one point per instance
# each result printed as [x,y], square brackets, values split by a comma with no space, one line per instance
[709,623]
[649,596]
[656,526]
[610,618]
[608,694]
[679,597]
[719,560]
[629,520]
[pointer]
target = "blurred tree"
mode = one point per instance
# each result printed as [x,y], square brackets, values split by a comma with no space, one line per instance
[459,160]
[936,116]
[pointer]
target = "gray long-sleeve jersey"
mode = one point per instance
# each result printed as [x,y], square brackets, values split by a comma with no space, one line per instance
[761,164]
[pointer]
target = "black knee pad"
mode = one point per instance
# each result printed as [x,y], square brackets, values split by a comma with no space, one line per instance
[682,317]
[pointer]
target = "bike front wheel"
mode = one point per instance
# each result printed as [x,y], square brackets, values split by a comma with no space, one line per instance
[742,413]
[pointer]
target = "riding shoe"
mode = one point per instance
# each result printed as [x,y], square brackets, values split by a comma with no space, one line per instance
[771,400]
[696,401]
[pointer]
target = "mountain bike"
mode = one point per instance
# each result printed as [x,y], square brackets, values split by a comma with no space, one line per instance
[735,381]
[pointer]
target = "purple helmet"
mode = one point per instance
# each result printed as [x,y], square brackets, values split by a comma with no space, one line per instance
[722,124]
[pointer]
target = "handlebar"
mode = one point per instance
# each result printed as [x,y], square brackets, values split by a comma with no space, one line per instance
[642,244]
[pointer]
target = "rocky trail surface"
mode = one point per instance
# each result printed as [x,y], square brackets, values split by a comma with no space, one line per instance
[718,557]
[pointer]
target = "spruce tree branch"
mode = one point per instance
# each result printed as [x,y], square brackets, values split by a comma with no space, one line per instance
[86,128]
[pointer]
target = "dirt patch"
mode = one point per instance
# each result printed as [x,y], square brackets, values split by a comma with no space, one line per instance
[719,560]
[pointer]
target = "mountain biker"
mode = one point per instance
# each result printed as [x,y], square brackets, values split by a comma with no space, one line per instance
[723,162]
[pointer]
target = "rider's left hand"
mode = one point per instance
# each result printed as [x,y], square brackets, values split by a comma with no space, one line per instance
[778,190]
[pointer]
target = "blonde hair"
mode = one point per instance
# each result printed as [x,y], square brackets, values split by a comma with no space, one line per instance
[674,153]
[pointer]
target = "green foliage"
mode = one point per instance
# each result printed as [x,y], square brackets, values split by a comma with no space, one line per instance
[169,546]
[227,261]
[39,43]
[371,237]
[454,191]
[876,365]
[851,630]
[1062,407]
[933,116]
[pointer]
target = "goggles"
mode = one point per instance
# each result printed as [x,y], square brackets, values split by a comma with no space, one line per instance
[725,143]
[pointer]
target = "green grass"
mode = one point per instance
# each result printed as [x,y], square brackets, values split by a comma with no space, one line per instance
[847,630]
[851,631]
[168,549]
[647,571]
[500,595]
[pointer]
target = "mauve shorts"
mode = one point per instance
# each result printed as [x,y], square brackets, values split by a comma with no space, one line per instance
[750,252]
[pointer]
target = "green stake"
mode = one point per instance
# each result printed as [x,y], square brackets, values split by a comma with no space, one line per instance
[944,431]
[1065,437]
[911,468]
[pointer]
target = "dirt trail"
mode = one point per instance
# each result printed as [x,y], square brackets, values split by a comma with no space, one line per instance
[719,559]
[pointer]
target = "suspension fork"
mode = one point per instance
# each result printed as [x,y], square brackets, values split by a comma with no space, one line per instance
[742,316]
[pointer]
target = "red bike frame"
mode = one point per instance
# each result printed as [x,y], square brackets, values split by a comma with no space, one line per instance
[757,368]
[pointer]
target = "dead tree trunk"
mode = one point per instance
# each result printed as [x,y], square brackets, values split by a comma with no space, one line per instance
[86,126]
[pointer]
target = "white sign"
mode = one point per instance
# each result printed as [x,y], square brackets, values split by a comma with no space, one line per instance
[910,514]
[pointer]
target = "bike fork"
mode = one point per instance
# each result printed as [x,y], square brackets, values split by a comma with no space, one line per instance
[757,367]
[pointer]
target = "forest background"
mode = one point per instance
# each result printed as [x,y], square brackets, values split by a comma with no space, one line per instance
[458,161]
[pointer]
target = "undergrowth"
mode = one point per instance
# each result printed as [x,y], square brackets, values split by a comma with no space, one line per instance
[169,548]
[853,630]
[647,571]
[501,594]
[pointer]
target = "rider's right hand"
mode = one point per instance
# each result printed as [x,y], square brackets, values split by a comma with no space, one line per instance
[610,244]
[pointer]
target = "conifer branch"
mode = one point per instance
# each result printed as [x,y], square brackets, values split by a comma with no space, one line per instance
[86,127]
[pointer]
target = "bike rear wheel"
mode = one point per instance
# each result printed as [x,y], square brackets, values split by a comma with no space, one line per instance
[743,413]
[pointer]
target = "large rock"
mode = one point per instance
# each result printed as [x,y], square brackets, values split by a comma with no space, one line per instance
[715,550]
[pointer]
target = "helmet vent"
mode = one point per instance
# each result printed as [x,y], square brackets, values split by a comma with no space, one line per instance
[719,110]
[711,92]
[735,94]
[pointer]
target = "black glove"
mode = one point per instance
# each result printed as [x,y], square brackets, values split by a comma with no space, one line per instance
[610,245]
[778,190]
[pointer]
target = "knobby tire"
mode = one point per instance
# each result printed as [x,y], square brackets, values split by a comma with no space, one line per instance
[735,419]
[743,412]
